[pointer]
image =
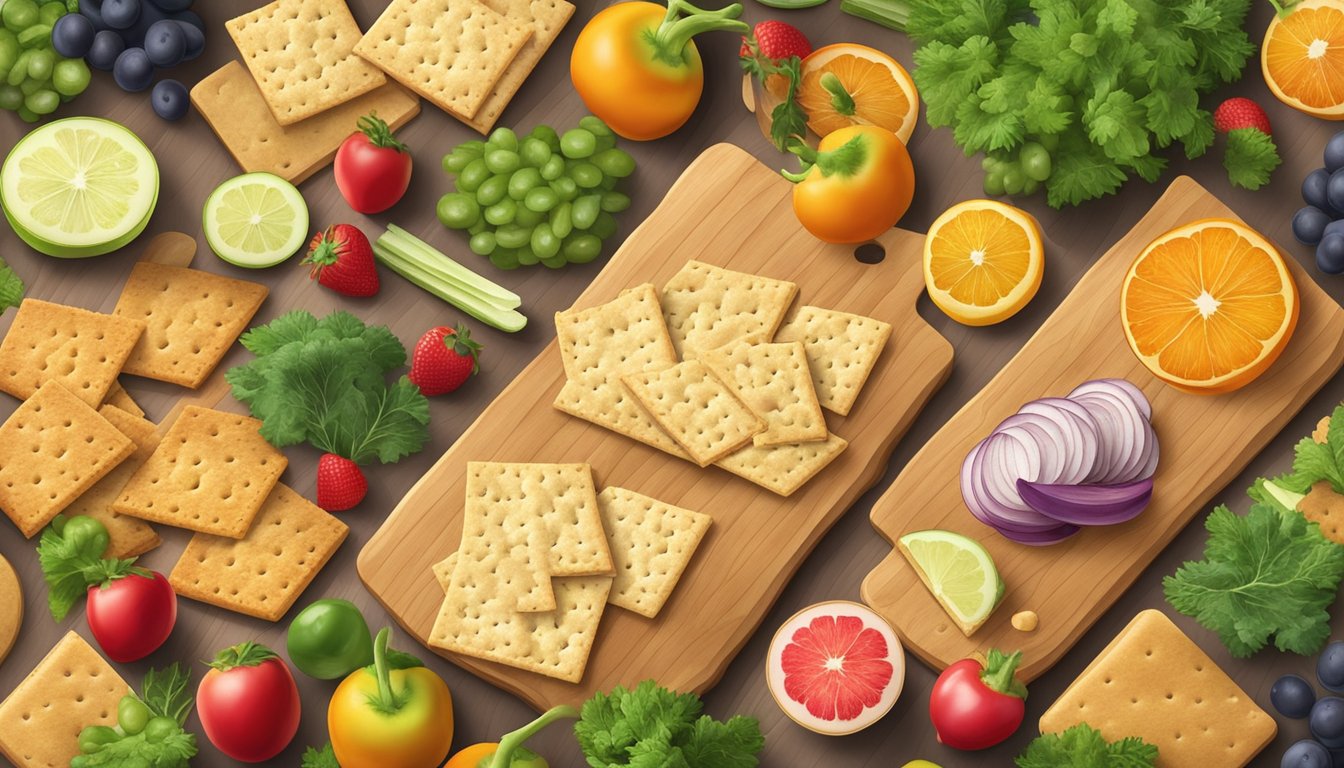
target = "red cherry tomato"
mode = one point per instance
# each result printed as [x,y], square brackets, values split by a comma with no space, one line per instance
[974,707]
[373,169]
[133,615]
[248,703]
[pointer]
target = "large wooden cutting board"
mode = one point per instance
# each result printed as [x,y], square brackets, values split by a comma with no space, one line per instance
[1205,442]
[726,209]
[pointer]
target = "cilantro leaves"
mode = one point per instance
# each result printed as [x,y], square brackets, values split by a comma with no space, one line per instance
[1251,156]
[652,726]
[11,287]
[1313,461]
[1083,746]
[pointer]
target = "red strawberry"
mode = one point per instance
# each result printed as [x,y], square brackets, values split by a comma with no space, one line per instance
[444,358]
[342,260]
[775,40]
[340,483]
[1240,112]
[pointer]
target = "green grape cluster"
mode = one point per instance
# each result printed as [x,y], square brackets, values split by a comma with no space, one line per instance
[1020,175]
[546,198]
[34,79]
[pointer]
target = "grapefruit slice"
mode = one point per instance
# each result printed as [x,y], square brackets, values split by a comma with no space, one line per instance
[835,667]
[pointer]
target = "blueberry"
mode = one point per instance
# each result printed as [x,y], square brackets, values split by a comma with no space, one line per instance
[166,44]
[107,46]
[1292,696]
[171,6]
[1334,191]
[1306,754]
[195,40]
[1309,225]
[1327,721]
[190,17]
[92,10]
[72,35]
[1330,666]
[1335,226]
[1330,254]
[133,72]
[120,14]
[1334,152]
[1313,189]
[135,34]
[170,99]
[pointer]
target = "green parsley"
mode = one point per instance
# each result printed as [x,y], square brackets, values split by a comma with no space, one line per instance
[1250,157]
[1083,746]
[1314,462]
[166,693]
[11,287]
[320,758]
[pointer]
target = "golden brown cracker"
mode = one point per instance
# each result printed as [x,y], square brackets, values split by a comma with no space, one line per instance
[548,18]
[842,350]
[607,403]
[118,396]
[82,350]
[652,543]
[624,335]
[783,469]
[707,307]
[127,536]
[774,381]
[700,412]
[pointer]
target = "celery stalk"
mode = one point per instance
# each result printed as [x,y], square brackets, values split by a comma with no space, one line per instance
[505,319]
[889,13]
[429,259]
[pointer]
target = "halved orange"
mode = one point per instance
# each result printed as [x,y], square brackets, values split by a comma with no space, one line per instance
[1209,306]
[1302,58]
[868,88]
[983,261]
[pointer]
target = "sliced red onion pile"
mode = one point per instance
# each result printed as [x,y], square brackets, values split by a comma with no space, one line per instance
[1064,462]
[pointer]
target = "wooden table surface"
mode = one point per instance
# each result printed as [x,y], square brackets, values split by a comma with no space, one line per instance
[192,163]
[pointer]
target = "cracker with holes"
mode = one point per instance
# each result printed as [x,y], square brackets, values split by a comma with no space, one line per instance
[73,687]
[82,350]
[783,469]
[1153,682]
[53,448]
[301,54]
[452,52]
[210,473]
[127,536]
[842,349]
[548,18]
[191,319]
[700,412]
[707,307]
[774,381]
[652,542]
[118,397]
[263,573]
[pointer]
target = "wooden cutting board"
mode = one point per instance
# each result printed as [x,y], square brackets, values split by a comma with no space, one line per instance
[1205,442]
[726,209]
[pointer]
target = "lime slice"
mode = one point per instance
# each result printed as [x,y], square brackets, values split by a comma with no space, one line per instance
[256,220]
[958,571]
[81,186]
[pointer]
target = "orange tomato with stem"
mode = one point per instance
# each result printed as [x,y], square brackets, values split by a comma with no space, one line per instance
[860,183]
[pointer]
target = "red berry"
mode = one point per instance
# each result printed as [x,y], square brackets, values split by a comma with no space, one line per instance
[776,40]
[342,260]
[340,483]
[444,359]
[1240,112]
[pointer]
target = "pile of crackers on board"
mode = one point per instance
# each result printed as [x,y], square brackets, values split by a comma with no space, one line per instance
[309,73]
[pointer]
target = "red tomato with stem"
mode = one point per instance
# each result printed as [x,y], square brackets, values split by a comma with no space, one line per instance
[975,707]
[132,615]
[373,169]
[248,703]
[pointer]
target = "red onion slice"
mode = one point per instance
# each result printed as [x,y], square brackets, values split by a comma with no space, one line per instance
[1088,504]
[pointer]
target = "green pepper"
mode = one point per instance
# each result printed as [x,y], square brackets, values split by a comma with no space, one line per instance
[509,751]
[330,639]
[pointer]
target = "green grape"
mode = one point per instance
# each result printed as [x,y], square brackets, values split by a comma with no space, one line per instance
[1013,180]
[1035,161]
[1050,141]
[19,72]
[458,210]
[31,86]
[473,148]
[544,242]
[502,160]
[43,102]
[578,143]
[603,144]
[615,202]
[553,168]
[472,175]
[541,199]
[523,180]
[132,714]
[604,226]
[586,175]
[535,152]
[585,211]
[581,249]
[554,262]
[9,51]
[526,257]
[455,161]
[70,77]
[479,227]
[504,258]
[50,12]
[561,223]
[482,243]
[492,190]
[615,163]
[512,236]
[503,138]
[1030,187]
[989,164]
[11,98]
[501,213]
[565,188]
[40,64]
[526,218]
[547,134]
[18,15]
[994,183]
[37,36]
[27,115]
[594,125]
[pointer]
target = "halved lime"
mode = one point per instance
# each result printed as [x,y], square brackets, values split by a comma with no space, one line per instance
[958,571]
[256,220]
[81,186]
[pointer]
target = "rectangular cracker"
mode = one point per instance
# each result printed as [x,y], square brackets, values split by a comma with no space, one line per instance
[478,619]
[607,403]
[652,542]
[707,307]
[117,396]
[543,518]
[128,536]
[211,473]
[191,319]
[53,448]
[548,18]
[700,412]
[775,382]
[842,349]
[783,469]
[263,573]
[82,350]
[71,688]
[1153,682]
[452,52]
[624,335]
[301,55]
[230,102]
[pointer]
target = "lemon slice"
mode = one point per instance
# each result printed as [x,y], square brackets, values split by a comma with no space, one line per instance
[959,573]
[255,220]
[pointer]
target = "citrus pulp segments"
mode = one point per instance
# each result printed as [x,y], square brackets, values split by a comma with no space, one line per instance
[843,660]
[1302,58]
[897,111]
[119,178]
[255,220]
[959,571]
[1012,252]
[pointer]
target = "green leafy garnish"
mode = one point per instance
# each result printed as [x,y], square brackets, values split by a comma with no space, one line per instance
[172,751]
[787,119]
[1250,158]
[1314,462]
[652,726]
[320,758]
[167,692]
[1082,746]
[11,287]
[70,553]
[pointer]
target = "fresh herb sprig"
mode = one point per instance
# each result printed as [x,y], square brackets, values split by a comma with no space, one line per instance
[651,725]
[1083,746]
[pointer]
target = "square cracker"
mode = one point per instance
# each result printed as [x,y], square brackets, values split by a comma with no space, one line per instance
[776,384]
[842,349]
[73,687]
[191,319]
[82,350]
[783,469]
[607,403]
[53,448]
[700,412]
[548,18]
[624,335]
[707,307]
[301,55]
[451,52]
[211,473]
[1153,682]
[652,542]
[118,397]
[229,101]
[478,619]
[128,536]
[543,518]
[263,573]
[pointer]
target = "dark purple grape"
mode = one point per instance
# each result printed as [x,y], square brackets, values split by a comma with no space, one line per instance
[190,17]
[1313,189]
[92,10]
[195,40]
[1306,754]
[1327,721]
[1334,152]
[1330,666]
[1334,192]
[1330,254]
[1309,225]
[133,72]
[149,16]
[170,99]
[120,14]
[1335,226]
[165,44]
[1292,696]
[171,6]
[72,36]
[107,46]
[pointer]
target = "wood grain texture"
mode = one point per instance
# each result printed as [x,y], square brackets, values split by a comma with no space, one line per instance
[729,210]
[1205,441]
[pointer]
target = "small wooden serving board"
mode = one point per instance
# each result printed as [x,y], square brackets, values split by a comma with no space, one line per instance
[1205,442]
[726,209]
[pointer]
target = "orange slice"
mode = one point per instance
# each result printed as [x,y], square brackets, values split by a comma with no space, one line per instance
[1302,58]
[983,261]
[879,88]
[1209,306]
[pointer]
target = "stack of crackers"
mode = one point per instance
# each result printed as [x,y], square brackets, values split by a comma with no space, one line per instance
[715,369]
[541,556]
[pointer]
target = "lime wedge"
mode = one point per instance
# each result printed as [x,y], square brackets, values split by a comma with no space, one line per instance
[81,186]
[958,571]
[256,220]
